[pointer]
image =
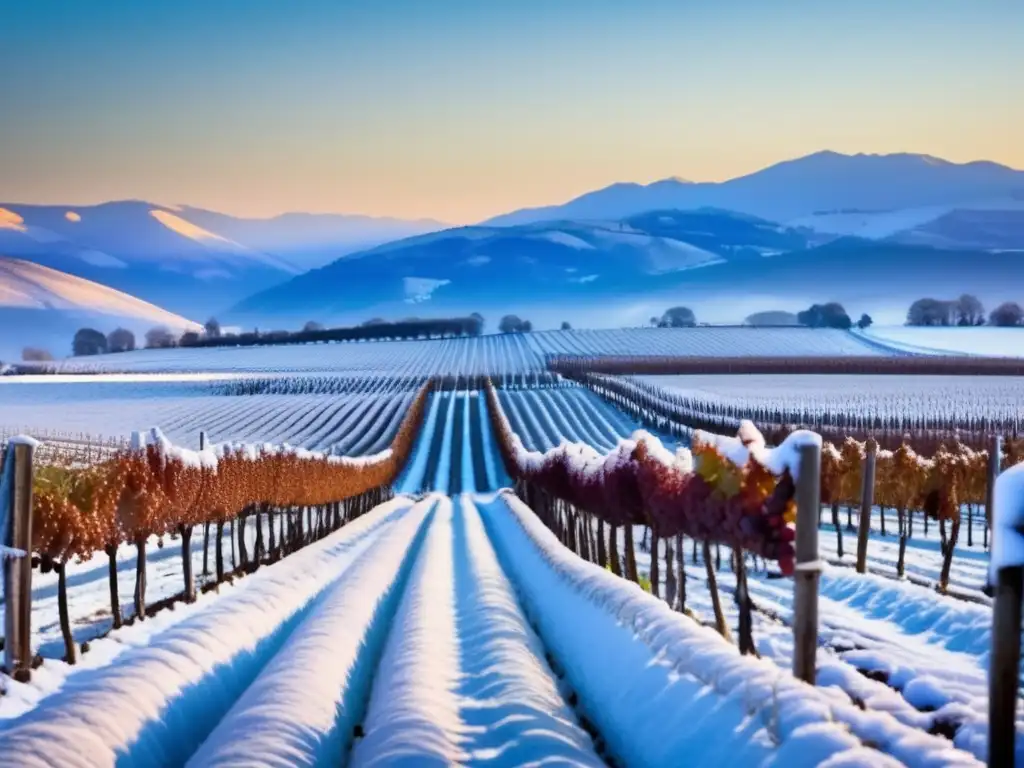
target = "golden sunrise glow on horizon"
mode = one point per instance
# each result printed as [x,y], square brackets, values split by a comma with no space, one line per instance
[443,113]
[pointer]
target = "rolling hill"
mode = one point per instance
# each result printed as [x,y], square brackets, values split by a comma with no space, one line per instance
[190,260]
[467,268]
[42,307]
[725,265]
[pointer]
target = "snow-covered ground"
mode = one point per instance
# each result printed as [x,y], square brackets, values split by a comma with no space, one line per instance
[463,678]
[142,687]
[303,707]
[930,650]
[923,557]
[984,340]
[455,451]
[658,686]
[89,591]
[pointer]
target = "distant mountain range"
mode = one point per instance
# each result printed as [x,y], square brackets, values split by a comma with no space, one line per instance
[477,267]
[724,264]
[816,191]
[42,307]
[871,229]
[188,259]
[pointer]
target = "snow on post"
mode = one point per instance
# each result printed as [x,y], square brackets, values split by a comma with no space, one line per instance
[16,542]
[1007,574]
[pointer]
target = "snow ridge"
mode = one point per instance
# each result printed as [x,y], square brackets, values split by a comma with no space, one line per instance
[159,702]
[303,707]
[413,713]
[463,679]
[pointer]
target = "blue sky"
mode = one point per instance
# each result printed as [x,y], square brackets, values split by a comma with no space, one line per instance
[459,109]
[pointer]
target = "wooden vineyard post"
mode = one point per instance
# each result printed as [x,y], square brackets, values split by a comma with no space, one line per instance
[995,455]
[17,559]
[1006,516]
[867,501]
[808,568]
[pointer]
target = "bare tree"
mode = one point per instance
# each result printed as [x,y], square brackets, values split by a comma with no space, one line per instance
[969,310]
[212,328]
[120,340]
[510,324]
[159,338]
[931,312]
[1007,315]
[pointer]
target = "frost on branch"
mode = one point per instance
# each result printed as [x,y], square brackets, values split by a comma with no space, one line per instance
[735,491]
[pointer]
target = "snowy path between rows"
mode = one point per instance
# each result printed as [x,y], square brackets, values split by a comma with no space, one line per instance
[658,686]
[304,705]
[455,460]
[463,680]
[412,478]
[923,557]
[167,691]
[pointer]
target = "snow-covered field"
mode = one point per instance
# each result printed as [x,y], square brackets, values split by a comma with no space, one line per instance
[544,418]
[831,399]
[985,341]
[702,341]
[510,354]
[494,354]
[114,407]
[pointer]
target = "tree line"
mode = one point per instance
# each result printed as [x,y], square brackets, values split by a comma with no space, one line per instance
[964,312]
[89,341]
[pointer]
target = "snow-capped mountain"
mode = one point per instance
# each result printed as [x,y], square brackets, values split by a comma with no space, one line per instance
[826,184]
[724,265]
[554,261]
[42,307]
[188,259]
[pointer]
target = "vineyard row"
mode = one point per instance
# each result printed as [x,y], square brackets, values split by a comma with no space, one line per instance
[156,489]
[664,365]
[950,481]
[651,405]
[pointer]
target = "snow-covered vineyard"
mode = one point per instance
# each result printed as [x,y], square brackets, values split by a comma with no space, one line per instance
[505,574]
[492,354]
